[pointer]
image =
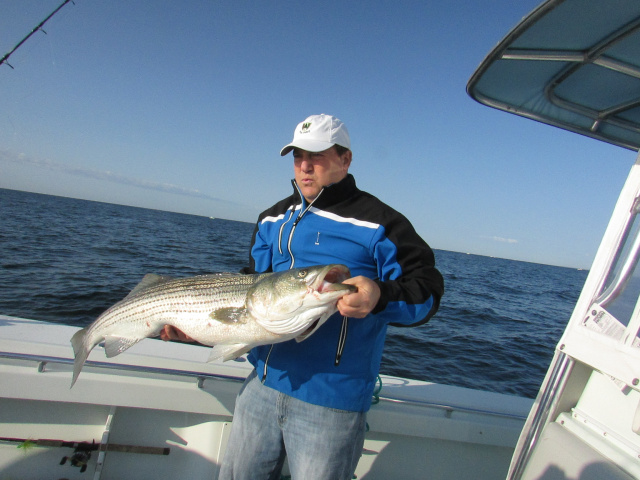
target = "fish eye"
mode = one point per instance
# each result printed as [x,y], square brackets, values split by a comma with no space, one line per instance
[302,273]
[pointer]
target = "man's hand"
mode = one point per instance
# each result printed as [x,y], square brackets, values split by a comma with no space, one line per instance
[172,333]
[359,304]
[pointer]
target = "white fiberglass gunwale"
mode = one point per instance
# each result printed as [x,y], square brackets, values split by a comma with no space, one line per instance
[204,374]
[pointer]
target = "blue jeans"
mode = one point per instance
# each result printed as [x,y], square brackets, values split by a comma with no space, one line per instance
[320,443]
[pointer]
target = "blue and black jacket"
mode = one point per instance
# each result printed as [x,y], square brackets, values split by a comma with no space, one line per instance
[337,366]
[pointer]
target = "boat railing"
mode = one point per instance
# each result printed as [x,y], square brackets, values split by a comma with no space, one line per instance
[43,360]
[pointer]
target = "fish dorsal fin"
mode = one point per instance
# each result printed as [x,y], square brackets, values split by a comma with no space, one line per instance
[148,281]
[114,345]
[230,315]
[228,352]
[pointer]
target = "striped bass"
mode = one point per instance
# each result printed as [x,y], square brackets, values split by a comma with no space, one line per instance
[232,312]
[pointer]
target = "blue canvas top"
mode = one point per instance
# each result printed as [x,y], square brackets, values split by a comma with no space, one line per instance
[574,64]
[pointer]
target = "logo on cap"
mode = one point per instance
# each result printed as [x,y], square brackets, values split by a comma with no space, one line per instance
[305,127]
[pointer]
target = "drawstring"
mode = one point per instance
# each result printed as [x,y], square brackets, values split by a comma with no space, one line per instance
[266,361]
[342,340]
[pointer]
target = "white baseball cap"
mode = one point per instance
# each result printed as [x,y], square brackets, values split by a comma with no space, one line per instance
[317,133]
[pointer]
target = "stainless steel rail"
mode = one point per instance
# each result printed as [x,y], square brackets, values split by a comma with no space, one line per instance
[42,360]
[450,409]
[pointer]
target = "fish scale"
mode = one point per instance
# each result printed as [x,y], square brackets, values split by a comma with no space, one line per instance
[212,289]
[213,310]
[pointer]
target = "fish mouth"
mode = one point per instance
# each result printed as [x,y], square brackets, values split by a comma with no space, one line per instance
[327,281]
[310,298]
[331,277]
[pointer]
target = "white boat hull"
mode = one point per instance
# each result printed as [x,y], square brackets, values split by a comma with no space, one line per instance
[179,402]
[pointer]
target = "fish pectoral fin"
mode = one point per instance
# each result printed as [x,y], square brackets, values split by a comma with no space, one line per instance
[114,345]
[229,315]
[228,352]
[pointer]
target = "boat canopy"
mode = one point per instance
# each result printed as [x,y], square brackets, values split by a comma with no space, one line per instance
[572,64]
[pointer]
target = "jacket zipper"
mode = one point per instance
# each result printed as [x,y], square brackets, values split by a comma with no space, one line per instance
[293,208]
[293,260]
[295,223]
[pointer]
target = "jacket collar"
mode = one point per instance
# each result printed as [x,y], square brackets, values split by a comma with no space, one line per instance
[330,195]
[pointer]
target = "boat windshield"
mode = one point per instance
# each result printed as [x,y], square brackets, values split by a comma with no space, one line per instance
[616,310]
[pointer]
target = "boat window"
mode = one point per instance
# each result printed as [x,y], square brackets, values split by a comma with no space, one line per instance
[617,305]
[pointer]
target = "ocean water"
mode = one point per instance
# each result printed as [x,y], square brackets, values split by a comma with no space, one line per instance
[65,260]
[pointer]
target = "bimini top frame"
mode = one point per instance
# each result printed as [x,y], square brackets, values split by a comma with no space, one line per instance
[564,66]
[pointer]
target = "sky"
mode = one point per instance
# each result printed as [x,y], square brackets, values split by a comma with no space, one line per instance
[184,106]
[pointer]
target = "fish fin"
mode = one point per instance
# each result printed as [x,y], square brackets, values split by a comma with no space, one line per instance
[80,352]
[114,345]
[76,340]
[148,281]
[228,352]
[230,315]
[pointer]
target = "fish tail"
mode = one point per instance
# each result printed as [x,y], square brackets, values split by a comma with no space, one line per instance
[81,351]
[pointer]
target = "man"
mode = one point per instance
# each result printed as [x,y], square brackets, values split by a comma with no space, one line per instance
[309,400]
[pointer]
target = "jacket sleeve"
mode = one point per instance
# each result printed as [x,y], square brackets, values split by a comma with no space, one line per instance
[410,285]
[259,253]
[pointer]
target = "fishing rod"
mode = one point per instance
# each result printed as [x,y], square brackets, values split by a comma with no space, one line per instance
[38,27]
[82,450]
